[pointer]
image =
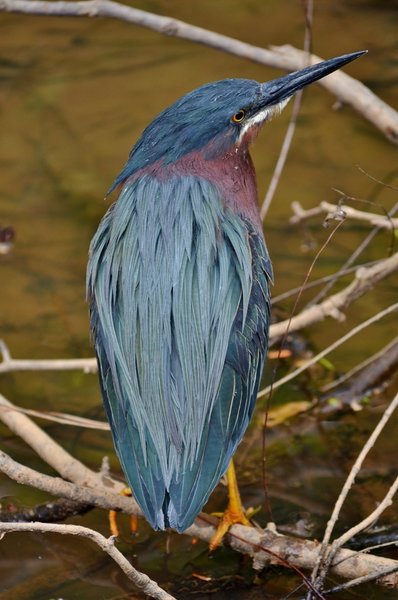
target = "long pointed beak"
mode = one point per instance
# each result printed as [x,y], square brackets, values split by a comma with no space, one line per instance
[277,90]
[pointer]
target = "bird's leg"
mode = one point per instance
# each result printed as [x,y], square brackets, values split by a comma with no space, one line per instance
[234,513]
[113,525]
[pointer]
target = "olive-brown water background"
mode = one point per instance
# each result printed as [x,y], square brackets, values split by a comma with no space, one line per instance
[75,94]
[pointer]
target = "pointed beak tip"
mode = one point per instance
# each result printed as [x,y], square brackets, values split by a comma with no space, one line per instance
[355,55]
[277,90]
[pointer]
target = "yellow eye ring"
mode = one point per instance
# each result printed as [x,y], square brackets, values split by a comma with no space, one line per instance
[239,116]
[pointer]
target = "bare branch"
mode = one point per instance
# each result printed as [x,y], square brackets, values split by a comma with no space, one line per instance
[381,221]
[302,214]
[58,417]
[362,377]
[365,279]
[88,365]
[370,519]
[284,151]
[333,276]
[347,89]
[100,496]
[52,453]
[261,545]
[327,350]
[360,581]
[142,581]
[326,553]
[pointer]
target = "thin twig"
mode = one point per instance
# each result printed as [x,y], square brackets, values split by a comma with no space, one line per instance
[88,365]
[355,254]
[378,356]
[365,278]
[280,163]
[368,521]
[360,580]
[58,417]
[347,89]
[142,581]
[263,211]
[52,453]
[301,214]
[293,291]
[336,344]
[325,557]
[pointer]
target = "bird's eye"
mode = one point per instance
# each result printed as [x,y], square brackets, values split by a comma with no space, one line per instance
[239,116]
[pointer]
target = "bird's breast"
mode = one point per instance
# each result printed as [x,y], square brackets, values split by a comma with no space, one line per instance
[233,174]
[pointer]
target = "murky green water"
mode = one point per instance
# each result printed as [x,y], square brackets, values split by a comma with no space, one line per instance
[74,95]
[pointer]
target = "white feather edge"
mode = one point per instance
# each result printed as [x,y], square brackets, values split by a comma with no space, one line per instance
[264,115]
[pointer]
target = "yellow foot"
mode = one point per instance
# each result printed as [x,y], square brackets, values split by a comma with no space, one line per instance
[234,512]
[113,525]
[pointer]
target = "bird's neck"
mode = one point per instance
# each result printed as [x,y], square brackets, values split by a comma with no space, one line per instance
[232,173]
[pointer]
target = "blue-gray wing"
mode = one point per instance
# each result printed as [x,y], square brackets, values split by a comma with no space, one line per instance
[179,306]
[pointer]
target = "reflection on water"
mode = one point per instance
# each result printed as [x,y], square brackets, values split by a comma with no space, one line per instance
[75,94]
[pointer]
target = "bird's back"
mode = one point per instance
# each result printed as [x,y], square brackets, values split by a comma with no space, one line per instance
[179,308]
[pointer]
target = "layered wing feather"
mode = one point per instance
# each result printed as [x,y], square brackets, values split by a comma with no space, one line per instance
[178,286]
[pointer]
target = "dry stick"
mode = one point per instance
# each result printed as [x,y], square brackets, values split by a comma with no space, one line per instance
[380,221]
[325,554]
[52,453]
[100,496]
[301,214]
[88,365]
[293,291]
[301,553]
[365,278]
[347,89]
[329,349]
[280,164]
[360,367]
[263,545]
[58,417]
[360,580]
[369,520]
[357,252]
[142,581]
[263,211]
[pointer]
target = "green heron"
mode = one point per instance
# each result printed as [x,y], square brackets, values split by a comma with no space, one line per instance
[178,283]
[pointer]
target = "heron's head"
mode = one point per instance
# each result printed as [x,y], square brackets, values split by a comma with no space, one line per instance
[219,116]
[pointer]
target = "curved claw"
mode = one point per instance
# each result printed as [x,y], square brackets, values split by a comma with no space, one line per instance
[234,513]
